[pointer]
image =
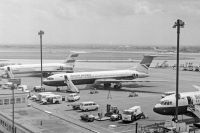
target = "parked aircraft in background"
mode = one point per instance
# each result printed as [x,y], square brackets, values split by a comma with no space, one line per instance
[188,104]
[5,63]
[35,69]
[107,78]
[163,50]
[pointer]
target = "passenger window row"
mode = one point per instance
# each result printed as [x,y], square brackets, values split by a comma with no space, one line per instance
[166,103]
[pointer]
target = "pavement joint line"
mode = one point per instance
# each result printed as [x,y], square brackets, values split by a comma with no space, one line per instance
[67,120]
[125,131]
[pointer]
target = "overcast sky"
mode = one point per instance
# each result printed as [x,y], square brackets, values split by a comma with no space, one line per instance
[142,22]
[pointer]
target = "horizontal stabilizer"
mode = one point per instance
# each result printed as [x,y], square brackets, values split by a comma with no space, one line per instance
[70,85]
[71,58]
[196,87]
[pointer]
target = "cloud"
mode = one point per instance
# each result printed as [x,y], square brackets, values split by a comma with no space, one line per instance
[104,8]
[192,7]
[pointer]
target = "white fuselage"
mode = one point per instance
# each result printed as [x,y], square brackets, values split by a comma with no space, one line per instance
[91,77]
[167,104]
[36,68]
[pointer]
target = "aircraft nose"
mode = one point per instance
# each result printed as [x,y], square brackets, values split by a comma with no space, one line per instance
[45,82]
[157,109]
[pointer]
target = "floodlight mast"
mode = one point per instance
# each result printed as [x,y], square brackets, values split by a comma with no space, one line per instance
[40,33]
[178,24]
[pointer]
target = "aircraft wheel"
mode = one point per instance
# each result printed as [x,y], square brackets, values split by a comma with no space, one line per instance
[118,86]
[57,89]
[107,85]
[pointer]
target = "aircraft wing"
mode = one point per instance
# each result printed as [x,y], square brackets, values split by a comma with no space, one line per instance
[101,81]
[195,110]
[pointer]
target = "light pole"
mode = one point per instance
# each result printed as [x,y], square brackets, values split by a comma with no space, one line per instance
[13,107]
[40,33]
[178,24]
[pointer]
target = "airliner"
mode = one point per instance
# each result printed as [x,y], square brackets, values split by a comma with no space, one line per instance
[188,103]
[163,50]
[35,69]
[115,77]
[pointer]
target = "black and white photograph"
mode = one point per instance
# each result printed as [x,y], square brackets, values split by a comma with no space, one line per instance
[99,66]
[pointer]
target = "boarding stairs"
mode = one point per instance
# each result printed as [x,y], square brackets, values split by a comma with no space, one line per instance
[195,109]
[70,85]
[9,73]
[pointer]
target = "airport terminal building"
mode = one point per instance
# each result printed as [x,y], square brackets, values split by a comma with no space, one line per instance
[6,99]
[6,103]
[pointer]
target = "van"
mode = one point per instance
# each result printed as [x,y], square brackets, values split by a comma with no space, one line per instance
[87,106]
[23,88]
[73,97]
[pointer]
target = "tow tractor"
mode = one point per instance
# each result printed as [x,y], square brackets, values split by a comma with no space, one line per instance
[113,113]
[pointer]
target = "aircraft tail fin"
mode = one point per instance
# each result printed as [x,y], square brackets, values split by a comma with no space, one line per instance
[156,49]
[71,59]
[144,65]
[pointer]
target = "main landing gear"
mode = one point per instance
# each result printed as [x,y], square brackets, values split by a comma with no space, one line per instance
[106,85]
[57,89]
[116,86]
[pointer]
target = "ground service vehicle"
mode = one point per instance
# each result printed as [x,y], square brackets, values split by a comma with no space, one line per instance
[43,95]
[88,118]
[76,106]
[73,97]
[7,85]
[23,88]
[38,88]
[132,114]
[87,106]
[115,117]
[110,110]
[52,99]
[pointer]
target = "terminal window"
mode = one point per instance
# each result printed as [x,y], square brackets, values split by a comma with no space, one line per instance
[18,100]
[23,100]
[6,101]
[11,101]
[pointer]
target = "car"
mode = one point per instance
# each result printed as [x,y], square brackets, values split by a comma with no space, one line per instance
[88,118]
[38,88]
[76,106]
[73,97]
[33,97]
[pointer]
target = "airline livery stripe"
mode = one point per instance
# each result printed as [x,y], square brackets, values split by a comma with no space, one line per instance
[70,61]
[74,55]
[145,66]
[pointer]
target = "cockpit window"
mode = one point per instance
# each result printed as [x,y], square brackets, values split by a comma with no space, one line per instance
[166,103]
